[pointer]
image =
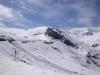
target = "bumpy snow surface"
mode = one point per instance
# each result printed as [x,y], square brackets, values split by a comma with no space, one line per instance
[50,51]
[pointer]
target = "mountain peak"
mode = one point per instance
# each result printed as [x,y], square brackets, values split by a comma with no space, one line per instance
[50,48]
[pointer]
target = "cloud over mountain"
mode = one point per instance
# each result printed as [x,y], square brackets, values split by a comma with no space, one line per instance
[57,13]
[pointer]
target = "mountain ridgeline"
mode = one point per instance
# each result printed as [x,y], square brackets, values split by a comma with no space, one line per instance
[56,34]
[50,48]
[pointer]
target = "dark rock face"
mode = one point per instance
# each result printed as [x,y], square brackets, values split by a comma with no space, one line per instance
[25,41]
[6,38]
[88,34]
[69,43]
[48,42]
[93,58]
[56,34]
[95,45]
[1,39]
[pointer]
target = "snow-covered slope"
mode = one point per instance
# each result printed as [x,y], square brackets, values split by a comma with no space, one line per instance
[55,51]
[88,35]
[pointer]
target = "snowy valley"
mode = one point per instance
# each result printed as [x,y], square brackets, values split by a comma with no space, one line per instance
[50,51]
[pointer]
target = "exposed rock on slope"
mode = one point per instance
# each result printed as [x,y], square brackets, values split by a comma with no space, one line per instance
[94,57]
[6,38]
[52,49]
[56,34]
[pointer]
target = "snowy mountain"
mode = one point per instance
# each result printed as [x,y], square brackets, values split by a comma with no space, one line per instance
[89,35]
[50,51]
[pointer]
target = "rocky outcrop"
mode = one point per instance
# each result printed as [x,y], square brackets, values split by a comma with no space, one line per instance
[6,38]
[93,58]
[56,34]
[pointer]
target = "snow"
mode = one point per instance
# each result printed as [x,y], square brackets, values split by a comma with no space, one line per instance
[11,67]
[88,39]
[33,52]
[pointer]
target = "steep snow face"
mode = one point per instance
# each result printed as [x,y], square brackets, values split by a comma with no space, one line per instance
[50,49]
[89,36]
[33,34]
[56,34]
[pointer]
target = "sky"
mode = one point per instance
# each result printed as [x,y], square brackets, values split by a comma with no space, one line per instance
[55,13]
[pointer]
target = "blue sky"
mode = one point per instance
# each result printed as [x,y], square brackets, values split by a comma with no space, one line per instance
[56,13]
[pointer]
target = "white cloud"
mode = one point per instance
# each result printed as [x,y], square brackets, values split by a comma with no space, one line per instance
[52,13]
[5,12]
[72,20]
[86,12]
[50,9]
[45,8]
[55,10]
[28,4]
[2,25]
[11,15]
[38,2]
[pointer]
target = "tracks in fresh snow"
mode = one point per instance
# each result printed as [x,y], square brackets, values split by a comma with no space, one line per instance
[29,58]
